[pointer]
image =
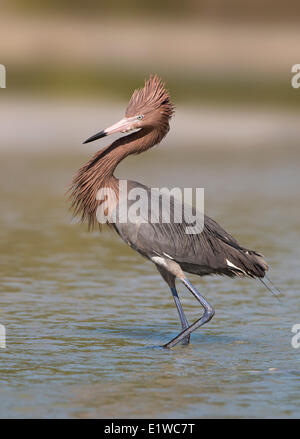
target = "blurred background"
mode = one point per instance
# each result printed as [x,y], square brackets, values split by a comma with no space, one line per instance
[72,348]
[217,58]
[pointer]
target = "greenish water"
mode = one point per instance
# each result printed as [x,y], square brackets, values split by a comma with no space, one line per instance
[85,316]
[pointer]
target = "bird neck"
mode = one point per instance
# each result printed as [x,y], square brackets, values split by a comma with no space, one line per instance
[98,173]
[108,159]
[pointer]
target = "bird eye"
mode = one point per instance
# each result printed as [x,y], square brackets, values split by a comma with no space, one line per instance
[140,117]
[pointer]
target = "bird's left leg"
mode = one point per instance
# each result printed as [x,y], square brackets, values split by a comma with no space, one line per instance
[170,270]
[207,315]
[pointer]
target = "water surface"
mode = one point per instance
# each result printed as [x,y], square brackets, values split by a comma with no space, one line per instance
[85,315]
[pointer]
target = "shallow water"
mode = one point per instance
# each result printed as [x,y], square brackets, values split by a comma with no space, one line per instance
[85,316]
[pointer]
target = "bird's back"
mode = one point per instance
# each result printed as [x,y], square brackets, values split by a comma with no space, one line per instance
[211,251]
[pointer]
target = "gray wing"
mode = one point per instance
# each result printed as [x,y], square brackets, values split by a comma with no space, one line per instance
[211,251]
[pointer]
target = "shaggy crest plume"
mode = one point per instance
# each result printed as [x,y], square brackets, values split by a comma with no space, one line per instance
[152,96]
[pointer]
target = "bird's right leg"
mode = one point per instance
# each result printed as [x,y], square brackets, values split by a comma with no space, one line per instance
[207,315]
[170,279]
[183,319]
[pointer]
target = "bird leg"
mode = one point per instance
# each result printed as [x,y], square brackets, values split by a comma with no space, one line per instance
[183,319]
[207,315]
[170,277]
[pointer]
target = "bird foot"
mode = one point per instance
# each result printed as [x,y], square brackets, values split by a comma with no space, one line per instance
[186,340]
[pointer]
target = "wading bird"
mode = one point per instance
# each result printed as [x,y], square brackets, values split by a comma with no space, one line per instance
[211,251]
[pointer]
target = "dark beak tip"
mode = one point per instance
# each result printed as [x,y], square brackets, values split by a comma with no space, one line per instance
[95,137]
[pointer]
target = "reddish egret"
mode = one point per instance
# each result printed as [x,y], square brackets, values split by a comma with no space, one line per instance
[213,251]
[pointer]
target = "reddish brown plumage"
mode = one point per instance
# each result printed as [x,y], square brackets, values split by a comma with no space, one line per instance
[151,97]
[153,103]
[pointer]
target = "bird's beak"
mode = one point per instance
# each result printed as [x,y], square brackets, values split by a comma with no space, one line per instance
[122,126]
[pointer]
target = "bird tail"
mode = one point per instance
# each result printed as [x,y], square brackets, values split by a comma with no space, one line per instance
[243,262]
[252,264]
[239,261]
[260,266]
[271,287]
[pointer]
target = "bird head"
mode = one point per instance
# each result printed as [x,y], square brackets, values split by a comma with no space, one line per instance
[149,107]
